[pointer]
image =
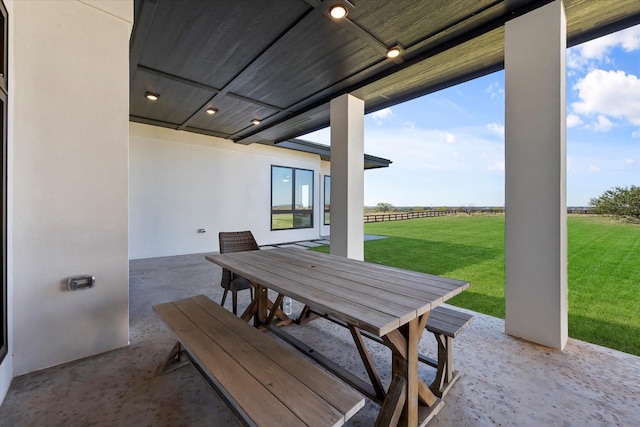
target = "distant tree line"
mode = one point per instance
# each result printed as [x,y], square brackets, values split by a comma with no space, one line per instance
[621,202]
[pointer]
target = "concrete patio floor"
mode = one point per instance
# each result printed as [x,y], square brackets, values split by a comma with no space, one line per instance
[505,381]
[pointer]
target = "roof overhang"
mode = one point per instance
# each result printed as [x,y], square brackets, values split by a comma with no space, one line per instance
[283,61]
[324,151]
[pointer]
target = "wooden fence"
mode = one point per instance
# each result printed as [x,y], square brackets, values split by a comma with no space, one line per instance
[396,216]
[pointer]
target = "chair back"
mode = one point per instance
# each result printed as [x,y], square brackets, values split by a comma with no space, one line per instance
[237,241]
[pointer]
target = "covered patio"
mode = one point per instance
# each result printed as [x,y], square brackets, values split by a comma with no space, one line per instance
[505,381]
[263,75]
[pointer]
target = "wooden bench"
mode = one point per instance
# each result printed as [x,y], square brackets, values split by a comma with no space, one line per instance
[445,324]
[263,382]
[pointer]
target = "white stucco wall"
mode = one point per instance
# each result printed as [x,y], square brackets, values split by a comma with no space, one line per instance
[69,97]
[181,182]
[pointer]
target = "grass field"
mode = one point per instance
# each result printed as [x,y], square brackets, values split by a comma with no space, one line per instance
[603,268]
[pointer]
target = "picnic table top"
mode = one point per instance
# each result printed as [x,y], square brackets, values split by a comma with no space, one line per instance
[373,297]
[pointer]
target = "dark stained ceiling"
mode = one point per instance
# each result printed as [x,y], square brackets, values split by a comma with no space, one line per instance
[282,61]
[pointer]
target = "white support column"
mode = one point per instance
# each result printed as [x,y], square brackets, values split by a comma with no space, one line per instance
[535,179]
[347,177]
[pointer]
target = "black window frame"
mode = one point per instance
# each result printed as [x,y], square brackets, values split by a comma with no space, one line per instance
[293,209]
[326,206]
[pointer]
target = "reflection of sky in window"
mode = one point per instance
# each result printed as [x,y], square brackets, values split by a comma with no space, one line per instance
[281,186]
[304,184]
[327,190]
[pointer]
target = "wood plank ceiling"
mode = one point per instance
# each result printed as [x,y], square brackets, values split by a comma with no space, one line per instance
[282,61]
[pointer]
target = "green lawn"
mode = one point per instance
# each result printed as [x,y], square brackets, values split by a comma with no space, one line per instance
[603,272]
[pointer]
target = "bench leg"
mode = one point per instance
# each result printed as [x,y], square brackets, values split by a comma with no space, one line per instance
[445,375]
[173,361]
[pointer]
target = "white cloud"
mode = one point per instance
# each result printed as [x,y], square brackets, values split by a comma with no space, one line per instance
[608,93]
[594,168]
[573,120]
[601,125]
[636,134]
[495,90]
[496,128]
[382,115]
[629,39]
[598,50]
[575,60]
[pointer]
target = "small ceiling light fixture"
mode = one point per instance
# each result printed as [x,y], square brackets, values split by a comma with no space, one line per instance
[338,11]
[394,52]
[255,122]
[211,111]
[151,96]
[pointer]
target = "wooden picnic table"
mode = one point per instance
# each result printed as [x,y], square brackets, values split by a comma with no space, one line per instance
[389,302]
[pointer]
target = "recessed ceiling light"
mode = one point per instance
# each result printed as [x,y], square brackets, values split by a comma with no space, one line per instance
[211,111]
[394,52]
[151,96]
[338,11]
[256,122]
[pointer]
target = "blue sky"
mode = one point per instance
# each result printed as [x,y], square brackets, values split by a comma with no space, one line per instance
[447,148]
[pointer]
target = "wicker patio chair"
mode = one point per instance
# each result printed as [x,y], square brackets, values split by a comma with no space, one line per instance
[235,241]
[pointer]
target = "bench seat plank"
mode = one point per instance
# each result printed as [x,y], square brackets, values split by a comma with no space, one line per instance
[446,321]
[270,384]
[301,400]
[338,394]
[226,372]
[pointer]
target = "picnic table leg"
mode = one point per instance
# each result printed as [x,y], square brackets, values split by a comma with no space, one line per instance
[367,361]
[404,368]
[408,369]
[418,403]
[250,311]
[276,311]
[263,310]
[277,303]
[306,315]
[392,405]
